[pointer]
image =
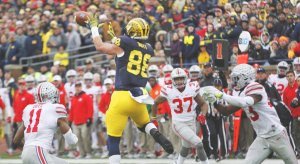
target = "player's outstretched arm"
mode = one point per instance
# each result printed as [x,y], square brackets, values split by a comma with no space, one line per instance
[226,110]
[202,104]
[19,135]
[241,102]
[66,131]
[107,48]
[157,101]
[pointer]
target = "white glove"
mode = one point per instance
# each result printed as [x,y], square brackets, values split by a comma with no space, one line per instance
[211,94]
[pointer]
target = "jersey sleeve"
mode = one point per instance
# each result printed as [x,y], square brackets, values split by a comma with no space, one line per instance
[164,91]
[123,42]
[61,111]
[254,88]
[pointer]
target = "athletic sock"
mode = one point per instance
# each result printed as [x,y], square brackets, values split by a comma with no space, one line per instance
[114,159]
[180,159]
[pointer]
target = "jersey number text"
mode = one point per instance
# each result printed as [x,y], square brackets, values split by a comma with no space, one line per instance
[138,63]
[37,121]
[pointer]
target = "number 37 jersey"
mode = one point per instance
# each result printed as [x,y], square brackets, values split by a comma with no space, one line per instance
[40,121]
[132,65]
[263,116]
[182,104]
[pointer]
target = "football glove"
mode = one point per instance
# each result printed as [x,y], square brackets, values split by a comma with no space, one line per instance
[201,119]
[92,21]
[154,121]
[111,33]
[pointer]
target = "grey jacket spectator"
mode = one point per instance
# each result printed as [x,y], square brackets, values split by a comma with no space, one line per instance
[56,40]
[73,37]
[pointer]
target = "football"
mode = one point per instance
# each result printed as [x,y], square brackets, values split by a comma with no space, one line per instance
[81,18]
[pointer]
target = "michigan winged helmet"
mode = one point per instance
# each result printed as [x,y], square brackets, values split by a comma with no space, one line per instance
[138,28]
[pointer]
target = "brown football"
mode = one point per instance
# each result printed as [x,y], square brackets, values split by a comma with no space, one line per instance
[81,18]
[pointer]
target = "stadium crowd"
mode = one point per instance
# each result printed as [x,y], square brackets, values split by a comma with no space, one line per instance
[181,34]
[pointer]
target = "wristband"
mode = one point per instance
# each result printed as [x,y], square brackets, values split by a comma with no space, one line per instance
[95,32]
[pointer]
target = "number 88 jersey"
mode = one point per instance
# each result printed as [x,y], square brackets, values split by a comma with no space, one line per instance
[182,104]
[132,65]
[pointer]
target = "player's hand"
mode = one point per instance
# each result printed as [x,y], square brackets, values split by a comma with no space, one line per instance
[88,122]
[201,119]
[92,21]
[295,103]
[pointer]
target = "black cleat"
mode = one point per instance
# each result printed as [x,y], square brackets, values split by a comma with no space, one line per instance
[162,140]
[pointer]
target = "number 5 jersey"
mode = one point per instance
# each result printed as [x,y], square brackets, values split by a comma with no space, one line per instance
[263,117]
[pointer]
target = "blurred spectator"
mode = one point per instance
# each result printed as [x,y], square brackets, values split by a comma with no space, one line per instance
[57,40]
[291,47]
[44,71]
[73,38]
[62,56]
[234,30]
[13,52]
[176,49]
[265,41]
[33,43]
[81,115]
[235,53]
[258,53]
[31,71]
[30,84]
[89,66]
[281,26]
[296,33]
[20,38]
[273,48]
[203,56]
[46,35]
[158,51]
[3,48]
[282,52]
[190,47]
[208,37]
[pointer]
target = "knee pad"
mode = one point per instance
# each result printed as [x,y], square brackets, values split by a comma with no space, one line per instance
[113,145]
[184,151]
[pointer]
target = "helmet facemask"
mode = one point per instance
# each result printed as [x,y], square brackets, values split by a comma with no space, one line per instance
[179,82]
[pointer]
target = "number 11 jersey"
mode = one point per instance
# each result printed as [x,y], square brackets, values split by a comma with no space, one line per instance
[40,121]
[182,104]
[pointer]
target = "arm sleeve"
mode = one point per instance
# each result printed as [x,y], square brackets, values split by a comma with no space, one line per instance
[61,111]
[239,101]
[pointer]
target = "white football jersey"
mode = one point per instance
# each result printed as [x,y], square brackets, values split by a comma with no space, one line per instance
[93,92]
[40,121]
[182,104]
[263,116]
[279,83]
[70,90]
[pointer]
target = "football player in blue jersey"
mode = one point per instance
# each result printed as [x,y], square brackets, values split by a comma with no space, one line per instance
[132,55]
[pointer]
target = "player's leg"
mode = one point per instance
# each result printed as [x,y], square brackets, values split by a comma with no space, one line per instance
[116,119]
[186,131]
[258,151]
[281,145]
[141,118]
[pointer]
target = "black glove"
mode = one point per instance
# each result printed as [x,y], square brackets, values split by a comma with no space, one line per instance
[166,116]
[99,120]
[88,122]
[294,103]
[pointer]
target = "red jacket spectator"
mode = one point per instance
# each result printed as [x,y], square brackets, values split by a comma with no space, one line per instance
[81,109]
[105,100]
[289,94]
[21,100]
[62,94]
